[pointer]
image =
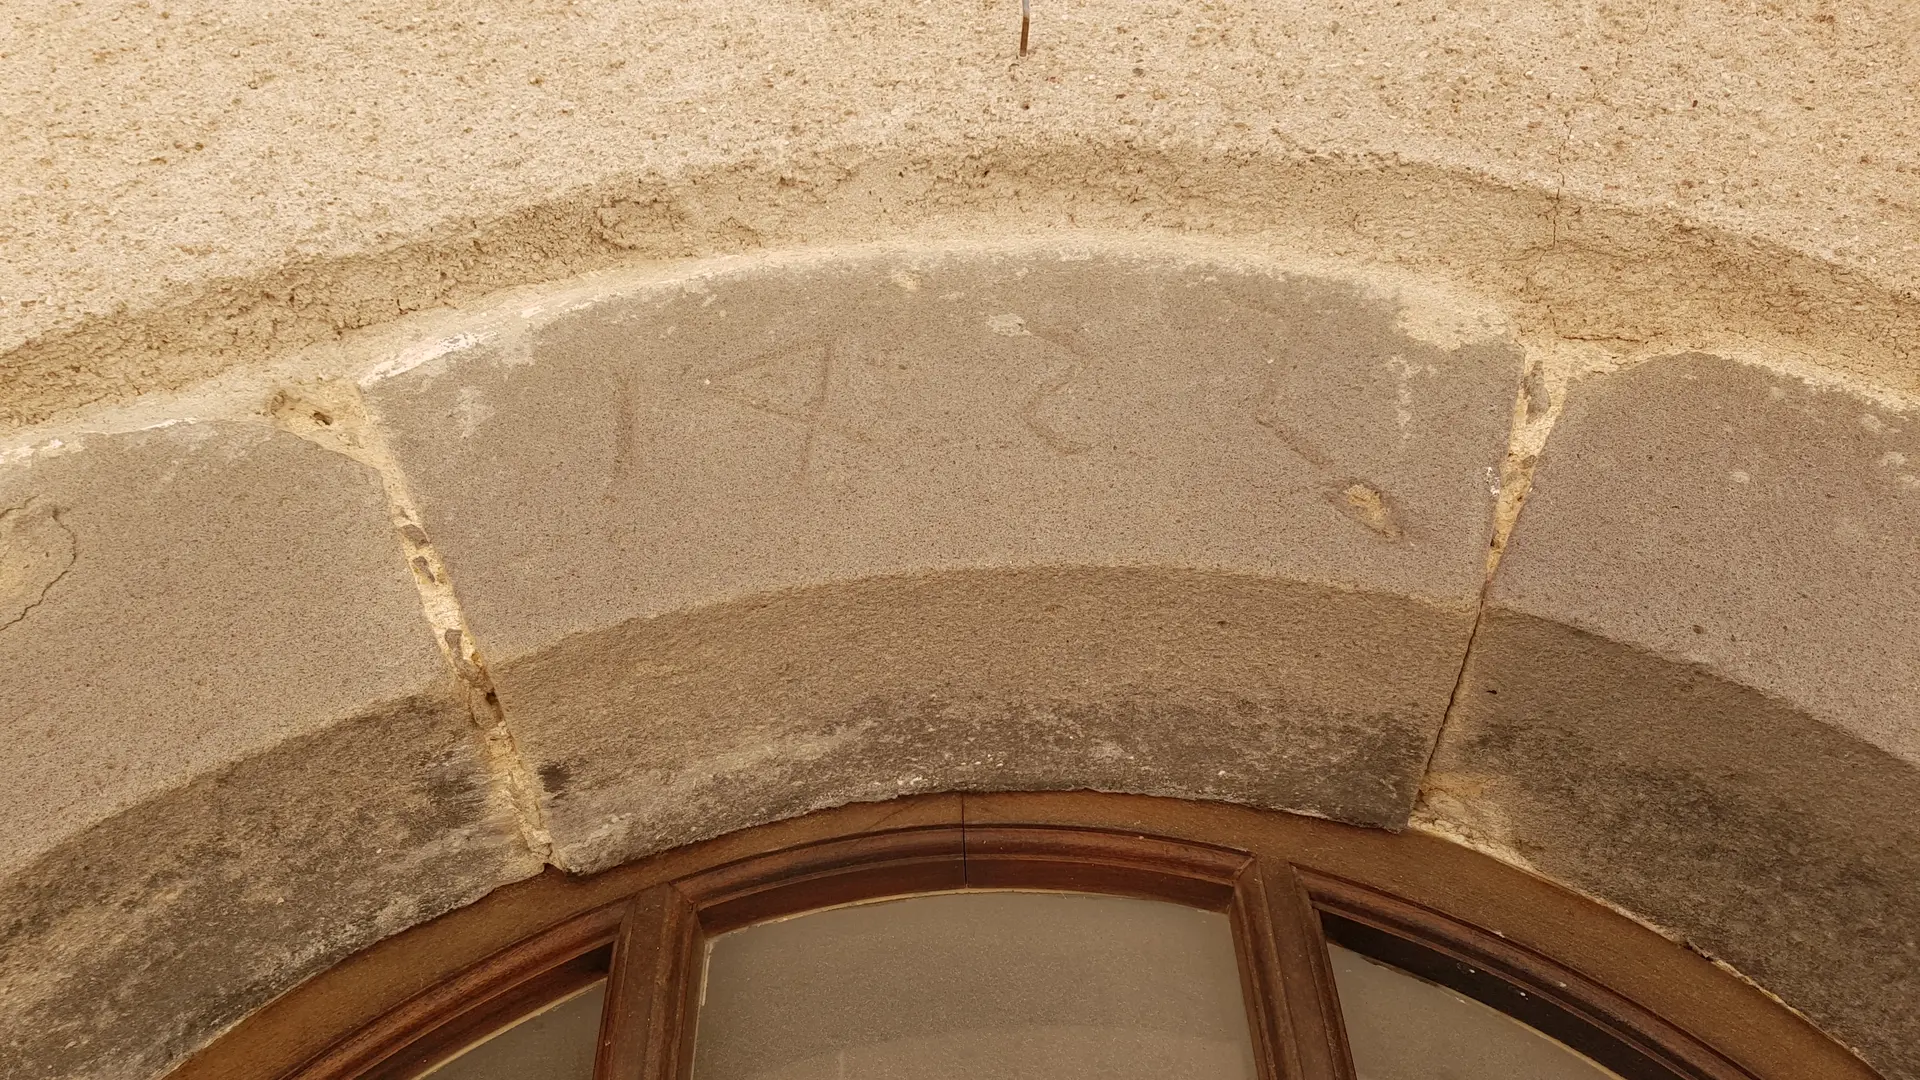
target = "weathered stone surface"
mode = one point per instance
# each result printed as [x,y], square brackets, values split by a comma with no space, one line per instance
[1780,844]
[234,754]
[1720,514]
[1203,685]
[175,599]
[129,945]
[708,441]
[1696,689]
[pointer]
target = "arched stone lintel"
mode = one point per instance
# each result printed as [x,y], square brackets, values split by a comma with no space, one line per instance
[757,543]
[1748,829]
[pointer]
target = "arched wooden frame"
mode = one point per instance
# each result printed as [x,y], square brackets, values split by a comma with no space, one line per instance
[1645,1007]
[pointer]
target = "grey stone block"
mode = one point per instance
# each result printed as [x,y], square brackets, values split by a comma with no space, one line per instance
[1696,690]
[1785,846]
[129,945]
[235,754]
[700,443]
[180,598]
[1722,515]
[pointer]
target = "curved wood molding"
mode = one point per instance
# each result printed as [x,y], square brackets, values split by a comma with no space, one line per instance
[426,993]
[434,1024]
[1522,983]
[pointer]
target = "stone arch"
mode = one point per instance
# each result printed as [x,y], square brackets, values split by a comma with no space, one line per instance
[705,549]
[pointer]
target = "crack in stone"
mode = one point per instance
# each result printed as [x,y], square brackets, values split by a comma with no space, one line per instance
[6,571]
[1538,400]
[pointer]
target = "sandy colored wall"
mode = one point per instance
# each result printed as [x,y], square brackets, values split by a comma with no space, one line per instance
[198,186]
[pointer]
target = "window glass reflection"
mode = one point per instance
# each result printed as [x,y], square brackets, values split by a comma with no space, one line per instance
[556,1043]
[1405,1028]
[981,986]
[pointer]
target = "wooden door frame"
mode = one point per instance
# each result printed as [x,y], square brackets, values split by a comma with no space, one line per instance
[1663,1011]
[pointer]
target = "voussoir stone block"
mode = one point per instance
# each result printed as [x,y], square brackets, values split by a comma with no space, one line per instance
[690,523]
[234,753]
[182,597]
[1696,688]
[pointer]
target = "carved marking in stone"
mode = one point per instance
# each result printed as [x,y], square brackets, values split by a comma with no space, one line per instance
[1267,411]
[1268,415]
[795,385]
[625,421]
[1052,392]
[36,551]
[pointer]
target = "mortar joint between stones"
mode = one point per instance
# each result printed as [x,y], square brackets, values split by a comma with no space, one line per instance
[1537,403]
[333,414]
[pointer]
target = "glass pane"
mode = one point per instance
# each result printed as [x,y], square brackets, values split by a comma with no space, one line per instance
[556,1043]
[985,986]
[1405,1028]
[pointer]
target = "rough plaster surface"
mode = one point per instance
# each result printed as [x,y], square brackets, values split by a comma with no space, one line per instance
[197,185]
[175,599]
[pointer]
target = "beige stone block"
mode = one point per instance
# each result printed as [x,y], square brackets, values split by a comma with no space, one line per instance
[179,598]
[694,445]
[1694,691]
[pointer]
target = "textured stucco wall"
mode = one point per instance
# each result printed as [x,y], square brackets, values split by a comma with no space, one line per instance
[196,185]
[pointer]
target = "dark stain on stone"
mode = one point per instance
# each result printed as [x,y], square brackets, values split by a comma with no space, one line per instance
[554,777]
[1254,752]
[1158,682]
[1770,840]
[125,948]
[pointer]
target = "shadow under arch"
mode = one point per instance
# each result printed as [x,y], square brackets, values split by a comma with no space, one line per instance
[1783,846]
[1730,820]
[1188,683]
